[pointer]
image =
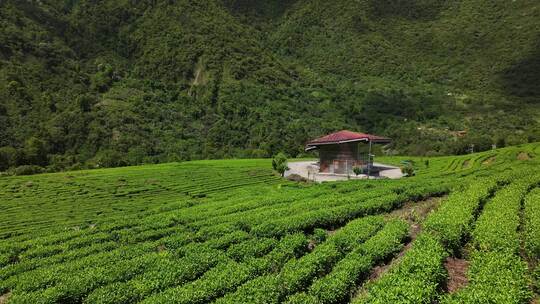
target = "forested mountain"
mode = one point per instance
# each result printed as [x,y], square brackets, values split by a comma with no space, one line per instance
[87,83]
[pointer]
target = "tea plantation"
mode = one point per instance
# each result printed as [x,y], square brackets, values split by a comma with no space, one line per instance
[232,231]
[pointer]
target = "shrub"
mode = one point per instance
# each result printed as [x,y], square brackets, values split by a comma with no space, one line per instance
[532,223]
[27,170]
[256,247]
[109,158]
[494,277]
[228,275]
[497,274]
[503,210]
[536,277]
[302,298]
[35,151]
[263,289]
[337,286]
[296,275]
[319,235]
[417,277]
[279,163]
[9,157]
[328,217]
[453,221]
[408,169]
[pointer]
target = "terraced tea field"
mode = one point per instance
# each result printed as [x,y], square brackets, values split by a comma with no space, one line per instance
[231,231]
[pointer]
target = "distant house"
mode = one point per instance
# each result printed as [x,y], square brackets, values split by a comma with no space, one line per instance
[341,151]
[461,133]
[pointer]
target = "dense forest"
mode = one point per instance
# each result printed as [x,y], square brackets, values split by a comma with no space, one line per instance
[89,83]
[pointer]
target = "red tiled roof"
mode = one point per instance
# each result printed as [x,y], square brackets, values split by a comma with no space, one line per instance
[346,136]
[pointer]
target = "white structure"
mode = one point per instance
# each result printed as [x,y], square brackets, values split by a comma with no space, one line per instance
[310,170]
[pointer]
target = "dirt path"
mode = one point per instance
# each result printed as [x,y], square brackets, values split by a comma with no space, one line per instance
[523,156]
[4,298]
[414,213]
[457,266]
[457,274]
[489,161]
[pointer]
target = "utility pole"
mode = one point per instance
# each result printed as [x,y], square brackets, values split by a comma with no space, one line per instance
[369,161]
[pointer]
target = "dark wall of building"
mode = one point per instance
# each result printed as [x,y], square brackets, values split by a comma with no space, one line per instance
[341,158]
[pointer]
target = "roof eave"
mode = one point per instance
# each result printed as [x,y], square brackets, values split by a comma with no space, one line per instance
[315,145]
[336,142]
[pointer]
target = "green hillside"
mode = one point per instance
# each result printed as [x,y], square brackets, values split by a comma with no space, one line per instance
[232,231]
[87,84]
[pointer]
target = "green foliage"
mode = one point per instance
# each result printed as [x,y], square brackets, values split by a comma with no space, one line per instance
[416,279]
[532,223]
[9,157]
[495,277]
[35,151]
[230,274]
[319,235]
[27,170]
[103,79]
[497,274]
[357,170]
[279,163]
[75,87]
[298,274]
[345,209]
[455,218]
[338,285]
[231,231]
[504,210]
[536,277]
[407,170]
[108,158]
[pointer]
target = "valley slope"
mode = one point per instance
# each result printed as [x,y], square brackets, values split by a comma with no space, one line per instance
[85,84]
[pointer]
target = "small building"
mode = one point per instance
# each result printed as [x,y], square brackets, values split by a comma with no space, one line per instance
[341,151]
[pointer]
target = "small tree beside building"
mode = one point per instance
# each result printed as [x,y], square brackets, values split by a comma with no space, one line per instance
[279,163]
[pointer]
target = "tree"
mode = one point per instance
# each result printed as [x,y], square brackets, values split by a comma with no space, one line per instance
[109,158]
[8,157]
[408,169]
[279,163]
[103,79]
[501,142]
[35,151]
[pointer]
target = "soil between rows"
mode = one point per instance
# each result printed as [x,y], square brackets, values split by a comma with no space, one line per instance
[413,213]
[4,298]
[457,273]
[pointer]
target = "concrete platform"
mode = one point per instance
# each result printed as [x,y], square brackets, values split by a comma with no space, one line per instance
[310,170]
